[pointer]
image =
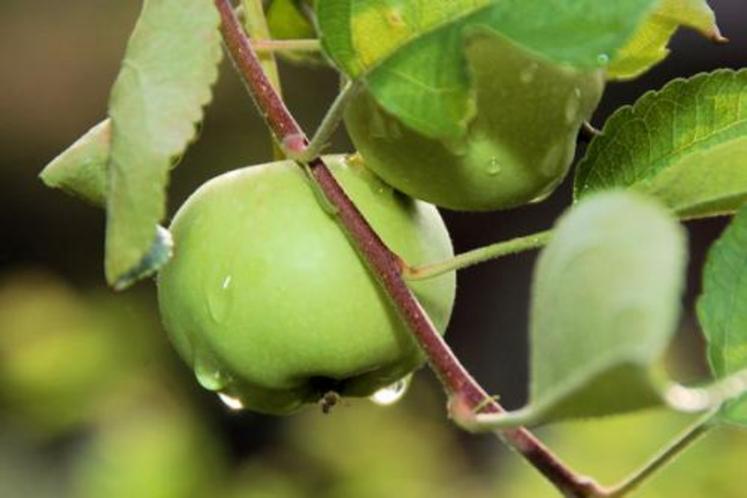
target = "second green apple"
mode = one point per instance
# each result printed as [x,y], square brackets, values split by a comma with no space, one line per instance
[517,148]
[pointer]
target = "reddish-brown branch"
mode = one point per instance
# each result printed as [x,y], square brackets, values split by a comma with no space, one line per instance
[387,266]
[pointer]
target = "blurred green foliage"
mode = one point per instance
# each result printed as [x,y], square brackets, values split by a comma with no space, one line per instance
[610,448]
[96,369]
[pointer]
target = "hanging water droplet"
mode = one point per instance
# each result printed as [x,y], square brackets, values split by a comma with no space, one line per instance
[603,59]
[389,395]
[528,73]
[208,374]
[232,403]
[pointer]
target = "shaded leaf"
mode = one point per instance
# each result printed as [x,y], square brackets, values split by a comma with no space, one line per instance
[722,309]
[685,144]
[165,80]
[605,305]
[649,46]
[81,169]
[411,52]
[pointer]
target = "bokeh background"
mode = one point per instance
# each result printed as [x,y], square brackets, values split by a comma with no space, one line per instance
[94,403]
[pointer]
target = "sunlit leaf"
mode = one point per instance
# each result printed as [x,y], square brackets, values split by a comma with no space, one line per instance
[165,80]
[411,52]
[722,309]
[649,46]
[685,144]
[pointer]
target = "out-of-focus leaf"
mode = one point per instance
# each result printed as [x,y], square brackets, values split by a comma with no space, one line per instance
[155,450]
[81,170]
[649,46]
[58,357]
[611,448]
[165,80]
[411,52]
[685,144]
[722,309]
[605,304]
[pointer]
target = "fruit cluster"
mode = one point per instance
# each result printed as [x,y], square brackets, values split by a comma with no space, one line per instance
[270,303]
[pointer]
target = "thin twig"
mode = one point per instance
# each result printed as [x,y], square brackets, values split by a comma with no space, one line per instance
[387,266]
[328,126]
[664,457]
[479,255]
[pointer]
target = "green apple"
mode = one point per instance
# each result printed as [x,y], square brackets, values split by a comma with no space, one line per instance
[517,148]
[270,303]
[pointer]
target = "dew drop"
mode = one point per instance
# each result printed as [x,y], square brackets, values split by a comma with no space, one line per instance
[603,59]
[208,374]
[232,403]
[391,394]
[219,298]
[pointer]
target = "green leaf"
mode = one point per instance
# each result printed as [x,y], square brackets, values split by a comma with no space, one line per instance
[649,46]
[722,309]
[685,144]
[605,305]
[411,52]
[81,169]
[165,80]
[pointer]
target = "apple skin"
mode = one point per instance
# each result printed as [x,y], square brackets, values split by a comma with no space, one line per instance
[270,303]
[517,149]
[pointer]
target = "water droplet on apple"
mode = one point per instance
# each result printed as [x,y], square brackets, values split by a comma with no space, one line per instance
[219,299]
[389,395]
[233,404]
[208,374]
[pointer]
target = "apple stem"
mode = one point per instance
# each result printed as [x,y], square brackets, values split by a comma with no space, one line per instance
[588,132]
[328,126]
[479,255]
[387,266]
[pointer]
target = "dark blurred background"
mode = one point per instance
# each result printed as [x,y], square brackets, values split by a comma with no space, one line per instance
[93,402]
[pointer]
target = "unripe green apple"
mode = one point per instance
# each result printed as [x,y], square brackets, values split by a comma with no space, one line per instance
[271,304]
[517,148]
